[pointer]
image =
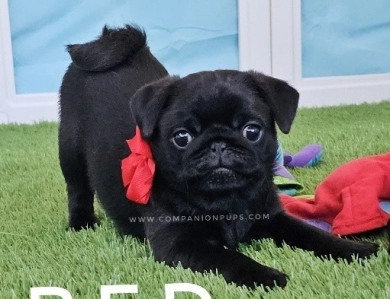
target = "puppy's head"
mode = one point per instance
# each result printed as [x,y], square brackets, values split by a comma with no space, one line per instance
[214,132]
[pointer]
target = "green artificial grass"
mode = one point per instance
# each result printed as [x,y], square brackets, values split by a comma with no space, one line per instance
[35,249]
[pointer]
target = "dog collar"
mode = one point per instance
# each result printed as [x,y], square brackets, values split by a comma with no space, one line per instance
[138,169]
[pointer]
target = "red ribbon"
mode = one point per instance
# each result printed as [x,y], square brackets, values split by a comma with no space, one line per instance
[138,169]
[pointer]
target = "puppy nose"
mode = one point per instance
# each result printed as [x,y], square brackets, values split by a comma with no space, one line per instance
[218,146]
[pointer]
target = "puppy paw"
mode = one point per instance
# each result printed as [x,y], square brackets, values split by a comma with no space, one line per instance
[254,276]
[346,249]
[80,223]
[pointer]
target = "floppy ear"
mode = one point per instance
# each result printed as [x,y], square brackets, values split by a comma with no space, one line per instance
[112,48]
[281,97]
[148,102]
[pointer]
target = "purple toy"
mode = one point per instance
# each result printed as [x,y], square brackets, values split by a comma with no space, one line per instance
[308,156]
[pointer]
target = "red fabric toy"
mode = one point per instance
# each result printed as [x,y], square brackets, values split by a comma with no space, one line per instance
[349,198]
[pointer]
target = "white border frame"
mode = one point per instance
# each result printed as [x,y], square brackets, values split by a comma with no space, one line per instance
[19,108]
[322,91]
[254,35]
[254,54]
[269,41]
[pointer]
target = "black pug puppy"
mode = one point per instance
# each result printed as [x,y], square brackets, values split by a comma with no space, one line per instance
[213,139]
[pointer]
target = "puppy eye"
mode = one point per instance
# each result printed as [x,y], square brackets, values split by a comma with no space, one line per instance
[252,132]
[181,139]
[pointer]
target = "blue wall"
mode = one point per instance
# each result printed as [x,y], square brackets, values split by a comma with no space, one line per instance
[186,36]
[339,38]
[348,37]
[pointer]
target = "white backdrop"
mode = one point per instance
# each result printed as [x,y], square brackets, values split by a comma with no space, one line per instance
[331,53]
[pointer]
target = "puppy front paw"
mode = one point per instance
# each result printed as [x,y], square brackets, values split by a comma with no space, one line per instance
[256,275]
[346,249]
[80,223]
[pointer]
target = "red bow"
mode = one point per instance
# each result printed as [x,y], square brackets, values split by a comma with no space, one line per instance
[138,169]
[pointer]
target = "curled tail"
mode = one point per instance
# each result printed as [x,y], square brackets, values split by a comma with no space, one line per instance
[111,48]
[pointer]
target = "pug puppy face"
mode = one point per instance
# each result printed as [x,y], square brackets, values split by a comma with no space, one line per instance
[214,132]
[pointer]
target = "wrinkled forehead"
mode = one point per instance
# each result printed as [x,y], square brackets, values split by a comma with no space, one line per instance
[210,101]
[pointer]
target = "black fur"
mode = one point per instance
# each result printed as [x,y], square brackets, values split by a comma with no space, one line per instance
[388,237]
[220,173]
[95,121]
